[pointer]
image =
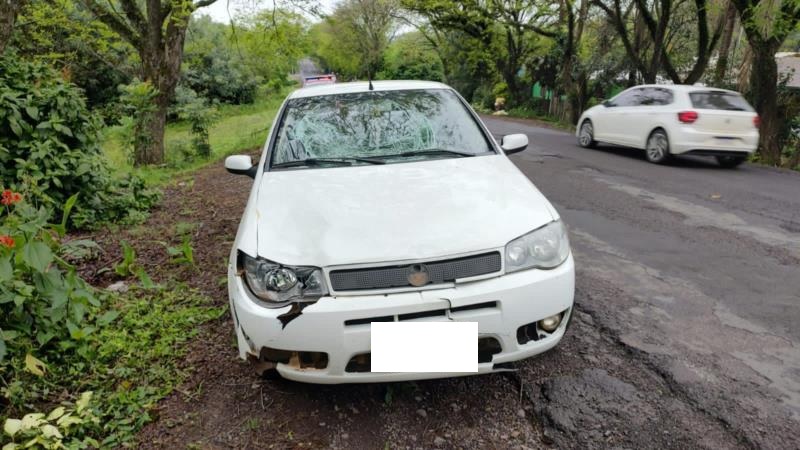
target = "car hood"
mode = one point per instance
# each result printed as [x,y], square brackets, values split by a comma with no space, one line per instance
[393,212]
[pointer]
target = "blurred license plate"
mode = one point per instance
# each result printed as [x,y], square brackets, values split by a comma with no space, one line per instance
[424,346]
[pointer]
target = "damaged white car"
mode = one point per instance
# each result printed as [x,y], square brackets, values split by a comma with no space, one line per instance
[391,203]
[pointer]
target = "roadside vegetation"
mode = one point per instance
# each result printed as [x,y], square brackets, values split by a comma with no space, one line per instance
[104,105]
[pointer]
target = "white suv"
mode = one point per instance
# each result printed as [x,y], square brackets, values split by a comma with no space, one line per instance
[391,202]
[668,120]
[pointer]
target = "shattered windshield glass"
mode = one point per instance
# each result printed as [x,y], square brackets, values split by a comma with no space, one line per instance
[376,127]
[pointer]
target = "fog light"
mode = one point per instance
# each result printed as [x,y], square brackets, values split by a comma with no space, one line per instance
[550,324]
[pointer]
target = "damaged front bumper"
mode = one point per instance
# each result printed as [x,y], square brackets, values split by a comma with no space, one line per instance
[328,342]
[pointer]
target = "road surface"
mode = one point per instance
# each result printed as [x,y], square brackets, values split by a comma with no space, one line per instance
[686,332]
[693,268]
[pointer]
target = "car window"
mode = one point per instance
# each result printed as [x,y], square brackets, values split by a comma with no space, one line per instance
[627,98]
[377,124]
[658,96]
[729,101]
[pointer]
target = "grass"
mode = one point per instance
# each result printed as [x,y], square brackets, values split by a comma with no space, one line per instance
[526,113]
[238,128]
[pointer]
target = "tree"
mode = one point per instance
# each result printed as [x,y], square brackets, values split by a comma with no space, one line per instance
[368,25]
[767,24]
[411,57]
[656,18]
[509,28]
[157,32]
[721,69]
[9,9]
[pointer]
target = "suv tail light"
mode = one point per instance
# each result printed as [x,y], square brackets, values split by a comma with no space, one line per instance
[757,121]
[687,116]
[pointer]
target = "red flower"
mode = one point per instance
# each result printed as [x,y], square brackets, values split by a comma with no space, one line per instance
[9,197]
[7,241]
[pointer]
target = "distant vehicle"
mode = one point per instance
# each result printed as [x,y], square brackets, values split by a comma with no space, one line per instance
[670,120]
[319,79]
[390,201]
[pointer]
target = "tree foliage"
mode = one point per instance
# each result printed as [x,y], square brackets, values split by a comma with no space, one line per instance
[49,147]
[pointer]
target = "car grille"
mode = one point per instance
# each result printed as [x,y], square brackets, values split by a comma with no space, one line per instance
[386,277]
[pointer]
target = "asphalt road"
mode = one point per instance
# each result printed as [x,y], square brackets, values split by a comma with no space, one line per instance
[691,269]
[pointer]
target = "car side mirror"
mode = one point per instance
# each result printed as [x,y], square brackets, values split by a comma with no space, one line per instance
[241,165]
[514,143]
[608,104]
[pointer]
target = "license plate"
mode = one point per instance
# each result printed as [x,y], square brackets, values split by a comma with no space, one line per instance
[424,346]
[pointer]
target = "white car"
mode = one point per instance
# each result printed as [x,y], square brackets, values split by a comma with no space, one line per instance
[668,120]
[391,203]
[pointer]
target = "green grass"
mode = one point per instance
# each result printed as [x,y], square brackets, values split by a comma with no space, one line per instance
[238,128]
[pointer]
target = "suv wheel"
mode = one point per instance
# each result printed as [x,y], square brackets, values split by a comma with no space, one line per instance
[586,135]
[658,147]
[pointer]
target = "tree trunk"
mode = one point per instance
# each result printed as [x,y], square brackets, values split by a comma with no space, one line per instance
[148,144]
[8,16]
[725,45]
[764,95]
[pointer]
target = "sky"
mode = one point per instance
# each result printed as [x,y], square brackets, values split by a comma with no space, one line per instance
[219,10]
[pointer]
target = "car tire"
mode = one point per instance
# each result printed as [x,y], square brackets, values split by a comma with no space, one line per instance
[657,149]
[586,135]
[730,162]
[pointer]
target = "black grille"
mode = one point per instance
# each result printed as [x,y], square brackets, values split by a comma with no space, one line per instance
[397,276]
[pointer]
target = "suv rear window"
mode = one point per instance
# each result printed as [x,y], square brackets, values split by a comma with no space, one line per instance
[719,100]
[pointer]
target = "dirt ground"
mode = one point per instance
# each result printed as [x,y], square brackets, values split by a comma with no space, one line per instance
[604,386]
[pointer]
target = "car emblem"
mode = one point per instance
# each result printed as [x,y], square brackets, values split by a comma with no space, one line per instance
[418,275]
[727,120]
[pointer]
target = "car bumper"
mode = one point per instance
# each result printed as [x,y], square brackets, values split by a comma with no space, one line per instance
[340,326]
[689,140]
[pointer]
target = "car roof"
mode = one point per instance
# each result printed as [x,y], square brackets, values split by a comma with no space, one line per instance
[363,86]
[685,87]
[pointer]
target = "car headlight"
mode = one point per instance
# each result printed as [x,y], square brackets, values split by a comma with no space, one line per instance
[544,248]
[280,284]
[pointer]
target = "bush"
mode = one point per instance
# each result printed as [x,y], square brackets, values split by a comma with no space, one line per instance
[49,147]
[45,308]
[200,115]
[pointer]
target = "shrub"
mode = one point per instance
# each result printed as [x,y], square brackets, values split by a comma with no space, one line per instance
[49,147]
[45,307]
[200,115]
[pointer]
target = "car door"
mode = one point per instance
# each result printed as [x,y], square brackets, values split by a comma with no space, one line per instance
[615,126]
[651,103]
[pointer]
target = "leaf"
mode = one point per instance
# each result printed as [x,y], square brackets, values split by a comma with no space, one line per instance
[11,446]
[83,402]
[32,420]
[144,278]
[107,318]
[33,112]
[50,432]
[37,255]
[67,209]
[2,348]
[11,427]
[56,413]
[34,365]
[6,271]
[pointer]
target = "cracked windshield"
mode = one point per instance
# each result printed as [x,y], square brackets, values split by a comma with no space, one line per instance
[382,125]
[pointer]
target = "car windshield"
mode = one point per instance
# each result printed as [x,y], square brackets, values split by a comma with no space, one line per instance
[728,101]
[376,127]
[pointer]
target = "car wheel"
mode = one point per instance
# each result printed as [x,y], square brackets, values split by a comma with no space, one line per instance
[586,135]
[729,162]
[658,147]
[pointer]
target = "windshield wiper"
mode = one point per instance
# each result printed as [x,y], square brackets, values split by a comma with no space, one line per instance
[322,161]
[430,151]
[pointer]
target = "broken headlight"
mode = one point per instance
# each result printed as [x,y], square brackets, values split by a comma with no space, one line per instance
[544,248]
[280,284]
